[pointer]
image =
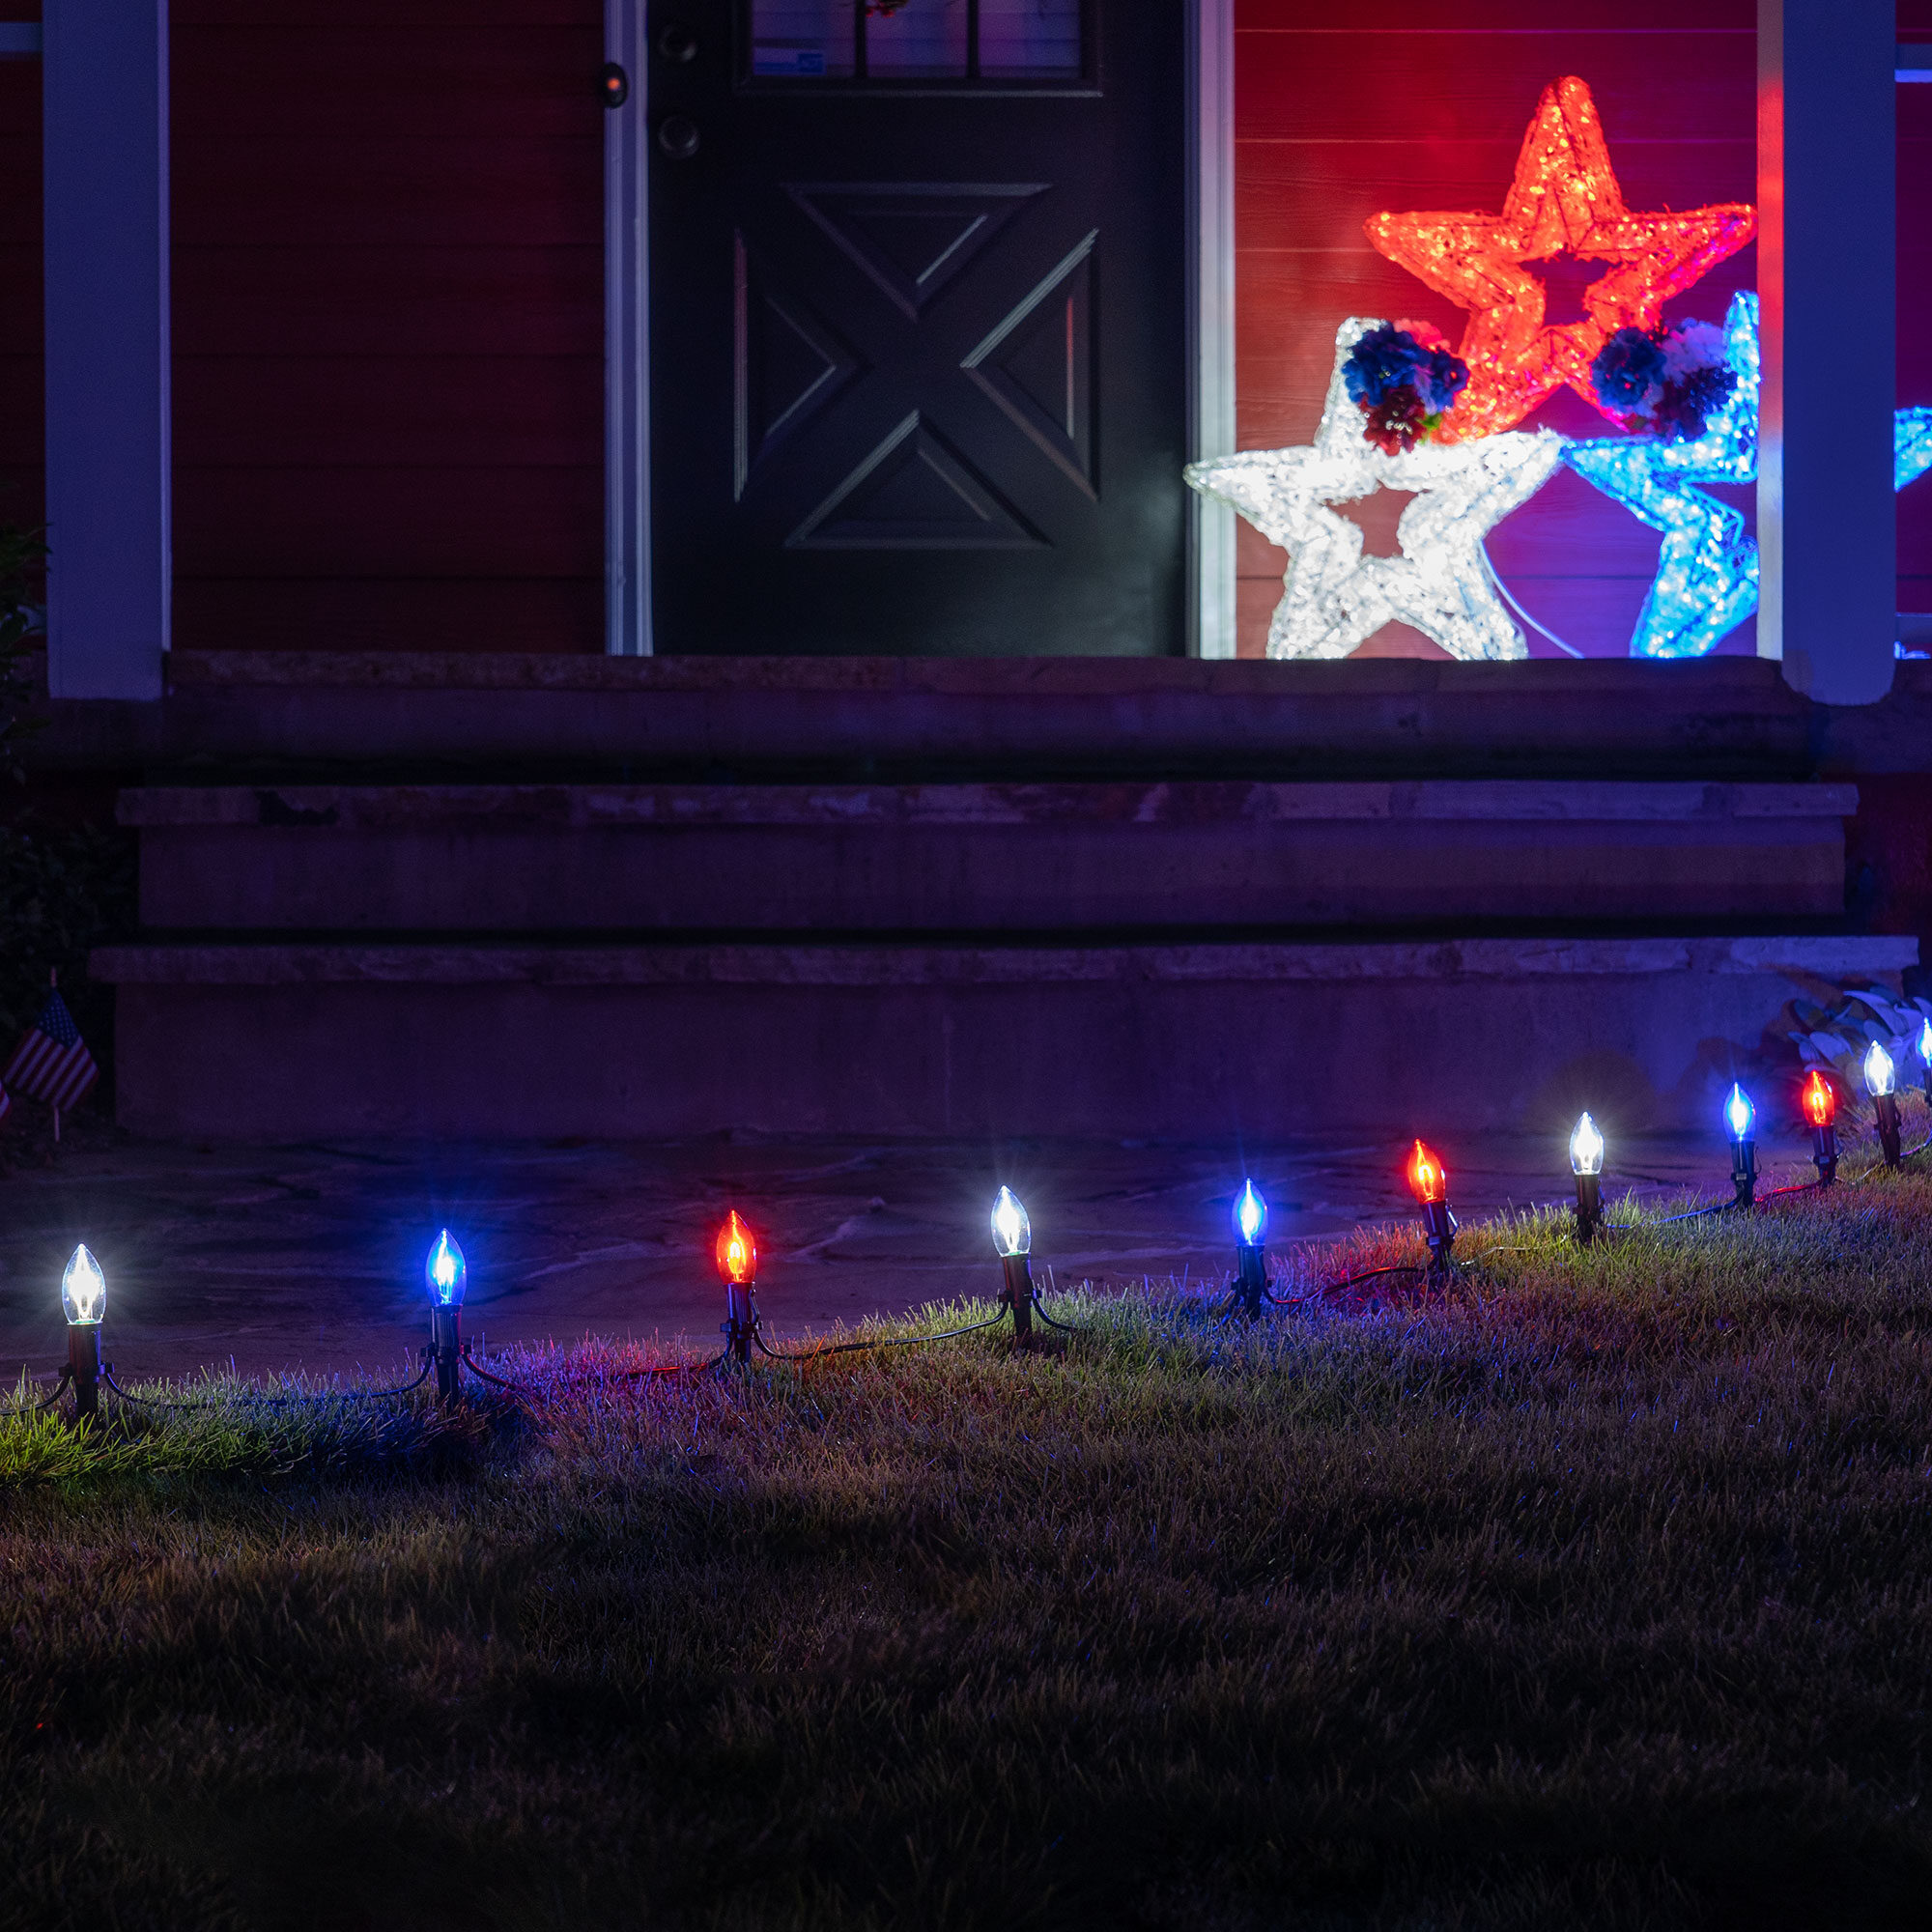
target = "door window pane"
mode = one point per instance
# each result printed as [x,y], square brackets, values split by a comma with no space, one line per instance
[916,39]
[808,39]
[1033,40]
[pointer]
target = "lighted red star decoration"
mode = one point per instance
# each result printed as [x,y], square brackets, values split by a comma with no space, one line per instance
[1564,200]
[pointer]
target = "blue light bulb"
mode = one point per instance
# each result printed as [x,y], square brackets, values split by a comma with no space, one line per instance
[1739,1116]
[446,1274]
[1910,446]
[1251,1217]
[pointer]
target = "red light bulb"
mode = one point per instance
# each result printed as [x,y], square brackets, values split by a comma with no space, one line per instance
[1821,1104]
[737,1252]
[1428,1177]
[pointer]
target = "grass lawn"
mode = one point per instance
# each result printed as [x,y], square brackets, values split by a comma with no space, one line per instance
[1595,1589]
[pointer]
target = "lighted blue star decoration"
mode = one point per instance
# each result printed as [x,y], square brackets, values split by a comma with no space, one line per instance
[1910,446]
[1706,580]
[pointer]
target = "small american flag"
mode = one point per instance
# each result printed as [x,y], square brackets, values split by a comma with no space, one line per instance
[51,1063]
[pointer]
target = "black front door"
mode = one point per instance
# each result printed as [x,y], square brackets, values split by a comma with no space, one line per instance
[917,327]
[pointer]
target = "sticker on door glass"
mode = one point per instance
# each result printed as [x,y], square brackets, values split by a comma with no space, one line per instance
[1029,39]
[916,40]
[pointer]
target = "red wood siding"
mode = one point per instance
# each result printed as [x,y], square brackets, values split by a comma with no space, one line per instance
[1341,112]
[388,324]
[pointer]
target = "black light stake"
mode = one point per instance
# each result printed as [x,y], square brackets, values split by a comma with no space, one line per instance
[445,1275]
[1013,1242]
[1429,1183]
[1587,1163]
[1250,1220]
[1740,1123]
[1925,1057]
[1821,1109]
[738,1263]
[83,1301]
[1881,1082]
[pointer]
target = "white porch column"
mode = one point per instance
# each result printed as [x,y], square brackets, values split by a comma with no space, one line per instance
[1827,278]
[109,566]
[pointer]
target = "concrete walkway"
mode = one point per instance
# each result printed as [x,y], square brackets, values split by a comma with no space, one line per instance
[311,1256]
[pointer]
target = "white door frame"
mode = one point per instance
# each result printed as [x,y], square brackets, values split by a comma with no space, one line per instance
[627,348]
[1211,319]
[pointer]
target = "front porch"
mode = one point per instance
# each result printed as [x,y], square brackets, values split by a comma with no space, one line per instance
[525,896]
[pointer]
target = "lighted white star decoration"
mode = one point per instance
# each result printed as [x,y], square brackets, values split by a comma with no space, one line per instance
[1333,597]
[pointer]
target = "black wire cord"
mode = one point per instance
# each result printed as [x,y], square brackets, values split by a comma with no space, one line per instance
[1062,1326]
[47,1401]
[691,1369]
[1695,1215]
[1346,1280]
[764,1347]
[268,1401]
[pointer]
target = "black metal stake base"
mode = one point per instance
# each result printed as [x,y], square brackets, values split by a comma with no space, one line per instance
[741,1321]
[83,1366]
[1825,1155]
[1439,1225]
[1251,1280]
[1018,1295]
[1744,1172]
[446,1343]
[1886,1106]
[1589,1207]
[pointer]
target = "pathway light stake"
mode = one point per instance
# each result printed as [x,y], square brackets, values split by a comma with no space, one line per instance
[1925,1057]
[1587,1163]
[1821,1109]
[1429,1183]
[445,1275]
[1250,1220]
[1741,1122]
[1881,1082]
[738,1264]
[1013,1242]
[83,1301]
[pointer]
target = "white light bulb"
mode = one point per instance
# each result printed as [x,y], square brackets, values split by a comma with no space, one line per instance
[83,1289]
[1739,1114]
[1013,1232]
[1881,1076]
[1925,1042]
[1251,1217]
[1587,1148]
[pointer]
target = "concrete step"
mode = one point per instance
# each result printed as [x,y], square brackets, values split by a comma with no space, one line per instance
[279,1040]
[1135,856]
[281,714]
